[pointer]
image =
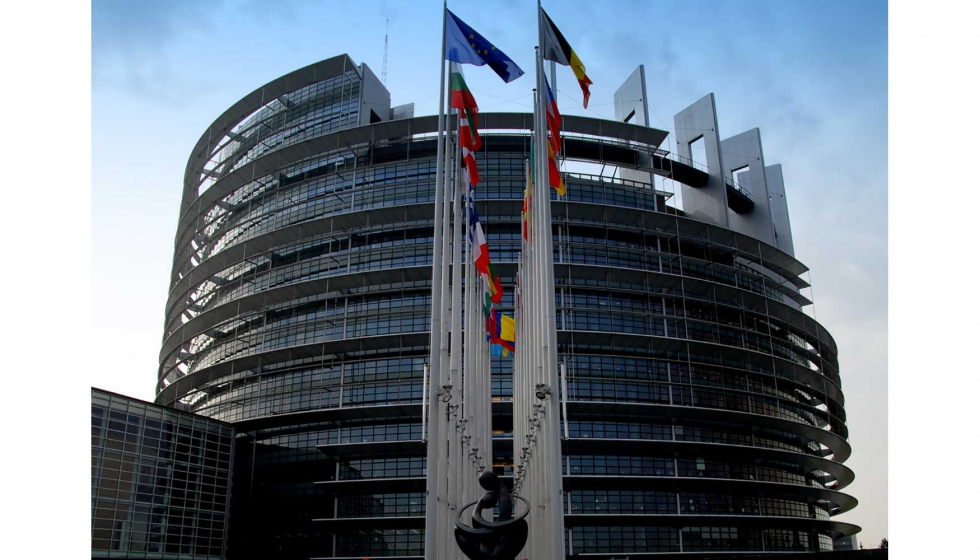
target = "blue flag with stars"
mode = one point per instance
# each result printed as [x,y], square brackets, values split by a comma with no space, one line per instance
[465,46]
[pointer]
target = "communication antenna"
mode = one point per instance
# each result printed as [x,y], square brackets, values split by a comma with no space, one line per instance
[384,63]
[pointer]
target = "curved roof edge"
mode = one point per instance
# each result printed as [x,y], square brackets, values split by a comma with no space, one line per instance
[245,106]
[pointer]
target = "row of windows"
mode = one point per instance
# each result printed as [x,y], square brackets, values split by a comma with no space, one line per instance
[646,369]
[623,465]
[307,388]
[708,378]
[585,540]
[262,219]
[210,294]
[165,425]
[387,467]
[381,505]
[618,430]
[319,177]
[689,503]
[622,501]
[596,256]
[381,542]
[409,171]
[381,432]
[309,333]
[656,393]
[711,468]
[592,390]
[412,391]
[496,188]
[330,311]
[312,332]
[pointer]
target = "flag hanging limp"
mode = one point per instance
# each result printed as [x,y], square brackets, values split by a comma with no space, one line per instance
[554,177]
[466,46]
[528,203]
[556,48]
[460,97]
[553,117]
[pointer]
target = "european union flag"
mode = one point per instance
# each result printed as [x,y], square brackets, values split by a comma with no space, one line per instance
[466,46]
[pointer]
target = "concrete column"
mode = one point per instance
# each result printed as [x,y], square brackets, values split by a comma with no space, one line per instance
[779,208]
[700,120]
[739,151]
[631,106]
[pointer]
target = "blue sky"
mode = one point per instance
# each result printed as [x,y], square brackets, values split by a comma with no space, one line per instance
[812,76]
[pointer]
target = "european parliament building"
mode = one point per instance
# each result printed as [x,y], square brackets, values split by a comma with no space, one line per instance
[703,411]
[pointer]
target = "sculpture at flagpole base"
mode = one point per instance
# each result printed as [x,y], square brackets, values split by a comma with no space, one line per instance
[501,539]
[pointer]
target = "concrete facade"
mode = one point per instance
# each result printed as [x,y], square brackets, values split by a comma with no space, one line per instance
[700,120]
[631,106]
[737,152]
[375,98]
[779,208]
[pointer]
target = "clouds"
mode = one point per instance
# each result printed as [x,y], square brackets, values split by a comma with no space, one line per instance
[131,40]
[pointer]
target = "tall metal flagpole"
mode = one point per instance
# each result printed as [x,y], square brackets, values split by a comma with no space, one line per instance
[456,357]
[549,443]
[433,503]
[540,465]
[469,314]
[446,434]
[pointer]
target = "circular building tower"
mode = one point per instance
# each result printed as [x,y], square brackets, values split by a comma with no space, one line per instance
[703,410]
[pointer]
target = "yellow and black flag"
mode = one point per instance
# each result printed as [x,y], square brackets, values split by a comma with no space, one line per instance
[556,48]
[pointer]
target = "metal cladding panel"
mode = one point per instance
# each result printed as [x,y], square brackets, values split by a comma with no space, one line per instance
[742,150]
[630,105]
[375,99]
[779,208]
[700,120]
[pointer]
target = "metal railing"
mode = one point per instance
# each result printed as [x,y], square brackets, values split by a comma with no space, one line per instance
[734,184]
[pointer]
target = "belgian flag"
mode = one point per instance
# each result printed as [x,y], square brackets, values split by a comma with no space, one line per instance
[556,48]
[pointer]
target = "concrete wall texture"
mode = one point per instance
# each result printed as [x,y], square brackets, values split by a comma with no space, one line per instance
[742,150]
[700,120]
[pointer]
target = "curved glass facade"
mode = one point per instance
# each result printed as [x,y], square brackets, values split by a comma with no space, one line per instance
[704,410]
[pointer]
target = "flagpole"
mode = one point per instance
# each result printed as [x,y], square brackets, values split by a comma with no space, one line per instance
[456,348]
[469,347]
[433,502]
[552,419]
[540,465]
[447,248]
[550,444]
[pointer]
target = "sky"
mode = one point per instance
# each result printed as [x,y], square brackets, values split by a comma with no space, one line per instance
[813,77]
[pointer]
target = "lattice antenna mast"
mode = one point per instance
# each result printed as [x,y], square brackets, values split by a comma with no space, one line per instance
[384,62]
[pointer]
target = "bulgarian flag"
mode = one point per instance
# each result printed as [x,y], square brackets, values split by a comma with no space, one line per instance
[554,177]
[461,98]
[471,168]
